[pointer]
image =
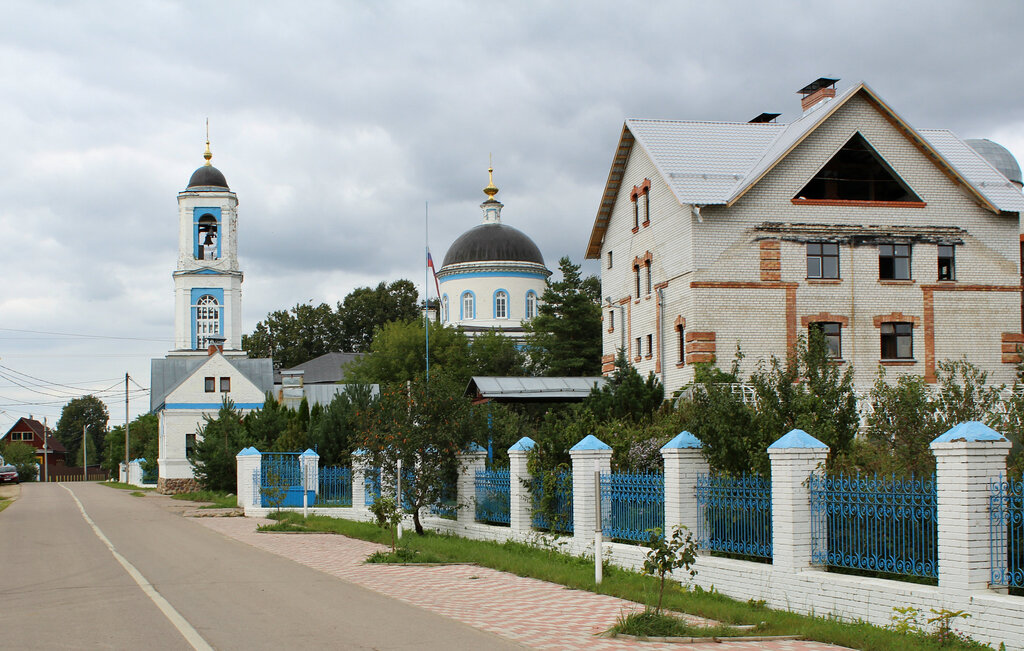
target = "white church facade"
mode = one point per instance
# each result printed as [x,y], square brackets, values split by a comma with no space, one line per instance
[493,275]
[207,364]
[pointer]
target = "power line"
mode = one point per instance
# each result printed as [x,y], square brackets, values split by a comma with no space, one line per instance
[79,335]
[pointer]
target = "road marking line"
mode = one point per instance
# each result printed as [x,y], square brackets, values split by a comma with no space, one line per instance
[190,634]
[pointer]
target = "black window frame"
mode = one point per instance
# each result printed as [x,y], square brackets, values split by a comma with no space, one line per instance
[636,212]
[650,281]
[891,334]
[823,255]
[889,257]
[946,263]
[833,333]
[225,385]
[682,344]
[636,273]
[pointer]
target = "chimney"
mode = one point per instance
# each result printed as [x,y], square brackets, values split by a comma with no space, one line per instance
[819,90]
[216,345]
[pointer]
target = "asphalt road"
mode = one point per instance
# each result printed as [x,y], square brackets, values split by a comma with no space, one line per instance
[62,587]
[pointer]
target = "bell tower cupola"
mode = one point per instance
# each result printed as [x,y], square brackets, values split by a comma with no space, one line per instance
[207,280]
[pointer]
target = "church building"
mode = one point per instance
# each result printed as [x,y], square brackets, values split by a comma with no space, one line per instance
[493,275]
[207,365]
[900,245]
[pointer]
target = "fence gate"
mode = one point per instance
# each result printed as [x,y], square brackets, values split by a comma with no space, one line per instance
[281,480]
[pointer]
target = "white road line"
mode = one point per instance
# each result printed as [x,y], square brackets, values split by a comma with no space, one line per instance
[190,634]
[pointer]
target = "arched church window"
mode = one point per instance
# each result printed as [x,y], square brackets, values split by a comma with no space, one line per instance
[500,305]
[467,305]
[531,305]
[207,234]
[207,325]
[444,309]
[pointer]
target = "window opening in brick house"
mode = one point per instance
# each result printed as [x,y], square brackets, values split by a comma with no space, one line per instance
[947,262]
[681,332]
[636,274]
[210,384]
[639,350]
[894,262]
[897,341]
[857,173]
[636,211]
[207,324]
[650,346]
[611,320]
[833,337]
[647,205]
[647,268]
[822,260]
[206,236]
[501,305]
[609,259]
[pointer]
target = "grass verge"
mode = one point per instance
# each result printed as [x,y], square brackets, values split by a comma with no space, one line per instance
[651,624]
[218,499]
[5,502]
[547,563]
[125,487]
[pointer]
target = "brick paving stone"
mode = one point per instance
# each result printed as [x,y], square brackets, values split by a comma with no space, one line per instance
[534,613]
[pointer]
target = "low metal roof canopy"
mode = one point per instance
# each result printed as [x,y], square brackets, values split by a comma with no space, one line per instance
[532,389]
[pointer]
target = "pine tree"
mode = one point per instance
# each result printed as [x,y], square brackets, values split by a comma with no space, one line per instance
[564,339]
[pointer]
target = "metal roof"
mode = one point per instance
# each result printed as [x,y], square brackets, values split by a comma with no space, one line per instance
[167,373]
[715,163]
[328,367]
[532,388]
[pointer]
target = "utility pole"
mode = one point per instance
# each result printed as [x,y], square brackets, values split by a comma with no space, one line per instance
[46,452]
[85,455]
[126,457]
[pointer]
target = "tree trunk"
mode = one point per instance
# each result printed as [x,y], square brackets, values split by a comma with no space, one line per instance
[416,521]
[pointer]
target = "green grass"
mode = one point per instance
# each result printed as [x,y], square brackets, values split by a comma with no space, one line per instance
[650,624]
[548,564]
[403,555]
[138,493]
[125,487]
[5,502]
[218,499]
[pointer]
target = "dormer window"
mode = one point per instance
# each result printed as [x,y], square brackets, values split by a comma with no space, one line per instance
[857,173]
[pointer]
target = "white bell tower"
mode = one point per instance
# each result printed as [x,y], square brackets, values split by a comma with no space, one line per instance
[207,281]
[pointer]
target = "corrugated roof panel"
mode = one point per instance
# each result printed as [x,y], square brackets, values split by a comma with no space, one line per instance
[986,179]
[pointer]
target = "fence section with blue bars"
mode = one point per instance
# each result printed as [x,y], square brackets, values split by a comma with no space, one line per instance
[553,512]
[736,515]
[632,505]
[878,524]
[280,480]
[493,496]
[1006,532]
[335,486]
[371,485]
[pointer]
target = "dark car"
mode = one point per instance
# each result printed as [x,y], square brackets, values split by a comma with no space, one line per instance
[8,474]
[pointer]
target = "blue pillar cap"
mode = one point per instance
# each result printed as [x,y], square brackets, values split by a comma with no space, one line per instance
[309,453]
[523,444]
[247,452]
[797,439]
[683,440]
[360,451]
[474,448]
[590,442]
[971,431]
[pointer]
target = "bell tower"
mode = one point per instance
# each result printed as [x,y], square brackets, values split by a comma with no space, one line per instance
[207,281]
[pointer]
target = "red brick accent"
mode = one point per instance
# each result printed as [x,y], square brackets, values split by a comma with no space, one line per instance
[927,292]
[771,260]
[700,336]
[899,362]
[607,368]
[771,276]
[1013,348]
[824,317]
[896,317]
[680,321]
[661,285]
[697,358]
[861,204]
[1013,337]
[608,358]
[815,97]
[700,347]
[791,317]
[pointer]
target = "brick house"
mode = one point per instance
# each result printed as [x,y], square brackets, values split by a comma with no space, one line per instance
[901,245]
[31,432]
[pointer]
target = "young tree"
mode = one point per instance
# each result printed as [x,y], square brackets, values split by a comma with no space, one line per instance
[398,354]
[297,335]
[626,395]
[565,336]
[336,430]
[22,456]
[144,443]
[492,353]
[424,425]
[90,412]
[217,442]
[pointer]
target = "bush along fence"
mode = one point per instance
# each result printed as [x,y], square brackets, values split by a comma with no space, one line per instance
[953,541]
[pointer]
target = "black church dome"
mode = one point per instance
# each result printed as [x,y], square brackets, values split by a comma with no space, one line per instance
[491,242]
[207,176]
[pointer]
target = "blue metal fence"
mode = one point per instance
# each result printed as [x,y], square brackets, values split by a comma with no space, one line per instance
[737,515]
[558,515]
[632,505]
[335,486]
[886,524]
[493,496]
[281,480]
[371,481]
[1006,532]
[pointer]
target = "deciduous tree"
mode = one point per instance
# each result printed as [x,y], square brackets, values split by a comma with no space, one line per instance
[90,412]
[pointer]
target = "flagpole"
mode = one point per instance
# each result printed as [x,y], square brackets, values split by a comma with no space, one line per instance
[426,281]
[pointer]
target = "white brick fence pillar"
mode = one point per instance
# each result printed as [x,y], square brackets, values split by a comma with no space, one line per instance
[794,457]
[967,458]
[309,465]
[520,498]
[684,461]
[247,463]
[473,459]
[588,456]
[358,479]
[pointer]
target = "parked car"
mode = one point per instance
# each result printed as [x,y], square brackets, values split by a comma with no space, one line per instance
[8,474]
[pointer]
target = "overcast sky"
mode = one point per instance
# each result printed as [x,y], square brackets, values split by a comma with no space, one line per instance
[335,123]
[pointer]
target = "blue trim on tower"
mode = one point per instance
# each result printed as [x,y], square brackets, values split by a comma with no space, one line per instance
[495,274]
[197,293]
[508,304]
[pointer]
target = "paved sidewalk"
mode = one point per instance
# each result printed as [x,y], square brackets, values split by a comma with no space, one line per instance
[534,613]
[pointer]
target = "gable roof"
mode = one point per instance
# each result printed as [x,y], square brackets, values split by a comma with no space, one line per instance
[169,373]
[716,163]
[329,367]
[30,424]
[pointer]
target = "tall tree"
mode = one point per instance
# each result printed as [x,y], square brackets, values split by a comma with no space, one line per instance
[297,335]
[492,353]
[144,443]
[88,411]
[398,354]
[565,336]
[365,309]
